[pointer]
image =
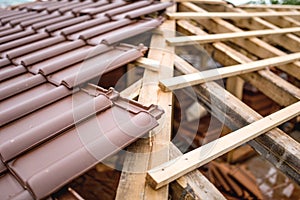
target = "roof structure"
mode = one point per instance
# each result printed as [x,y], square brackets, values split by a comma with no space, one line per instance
[51,52]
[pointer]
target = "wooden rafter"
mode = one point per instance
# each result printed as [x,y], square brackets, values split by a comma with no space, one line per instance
[188,40]
[228,15]
[170,171]
[215,74]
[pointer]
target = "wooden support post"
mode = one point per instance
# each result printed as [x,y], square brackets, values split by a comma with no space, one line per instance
[254,45]
[215,74]
[227,15]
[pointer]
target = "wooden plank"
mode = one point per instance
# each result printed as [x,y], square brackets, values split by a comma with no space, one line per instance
[224,72]
[254,45]
[288,41]
[264,6]
[189,40]
[275,146]
[266,81]
[152,151]
[133,90]
[193,185]
[148,63]
[227,15]
[170,171]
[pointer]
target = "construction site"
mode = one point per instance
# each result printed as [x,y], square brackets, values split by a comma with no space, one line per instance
[149,99]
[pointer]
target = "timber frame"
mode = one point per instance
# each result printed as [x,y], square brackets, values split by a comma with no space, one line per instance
[249,44]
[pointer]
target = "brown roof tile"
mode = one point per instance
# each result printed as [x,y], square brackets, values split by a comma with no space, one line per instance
[32,47]
[22,41]
[54,27]
[49,50]
[11,189]
[106,135]
[30,100]
[19,84]
[9,71]
[96,66]
[15,36]
[122,33]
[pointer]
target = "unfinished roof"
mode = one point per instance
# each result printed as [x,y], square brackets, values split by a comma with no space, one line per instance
[50,118]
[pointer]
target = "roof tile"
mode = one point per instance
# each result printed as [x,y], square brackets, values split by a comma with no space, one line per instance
[30,100]
[19,84]
[50,50]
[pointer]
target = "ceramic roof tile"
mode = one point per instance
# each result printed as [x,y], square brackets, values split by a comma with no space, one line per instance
[50,50]
[120,34]
[106,134]
[10,31]
[27,18]
[95,4]
[127,8]
[11,189]
[101,28]
[35,128]
[39,25]
[97,10]
[29,22]
[3,168]
[15,36]
[96,66]
[22,41]
[9,71]
[5,27]
[144,10]
[82,26]
[54,27]
[19,84]
[30,100]
[32,47]
[5,20]
[62,61]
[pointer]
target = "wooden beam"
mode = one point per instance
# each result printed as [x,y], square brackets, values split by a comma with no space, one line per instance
[193,185]
[263,6]
[170,171]
[148,63]
[267,82]
[190,40]
[275,146]
[224,72]
[254,45]
[227,15]
[133,90]
[289,41]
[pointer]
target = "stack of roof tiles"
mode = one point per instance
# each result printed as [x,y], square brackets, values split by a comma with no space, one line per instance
[54,126]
